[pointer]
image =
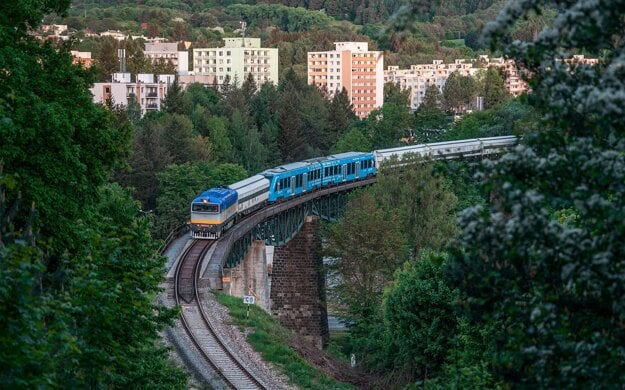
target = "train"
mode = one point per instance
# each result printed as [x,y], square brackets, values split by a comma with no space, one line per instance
[216,210]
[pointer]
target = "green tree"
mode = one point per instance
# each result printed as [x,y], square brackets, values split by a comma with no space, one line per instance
[314,115]
[290,140]
[459,93]
[430,120]
[112,288]
[365,256]
[552,284]
[420,316]
[340,116]
[174,102]
[493,89]
[106,59]
[84,317]
[218,135]
[149,157]
[425,203]
[177,137]
[136,61]
[180,184]
[352,140]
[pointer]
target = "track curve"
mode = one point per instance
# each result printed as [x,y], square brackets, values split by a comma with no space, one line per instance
[199,328]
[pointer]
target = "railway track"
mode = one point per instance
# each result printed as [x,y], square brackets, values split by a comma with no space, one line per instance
[199,328]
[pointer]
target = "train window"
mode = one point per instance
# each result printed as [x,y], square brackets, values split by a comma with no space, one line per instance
[205,208]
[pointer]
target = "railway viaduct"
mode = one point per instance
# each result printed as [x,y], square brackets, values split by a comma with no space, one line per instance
[292,286]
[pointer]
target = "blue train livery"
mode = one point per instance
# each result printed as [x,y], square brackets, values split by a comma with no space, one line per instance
[296,178]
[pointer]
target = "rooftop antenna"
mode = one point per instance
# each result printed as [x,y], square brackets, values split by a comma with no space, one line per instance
[243,27]
[121,53]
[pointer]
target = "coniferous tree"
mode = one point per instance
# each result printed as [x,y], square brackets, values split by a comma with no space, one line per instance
[493,90]
[107,59]
[340,116]
[174,102]
[149,157]
[430,121]
[290,140]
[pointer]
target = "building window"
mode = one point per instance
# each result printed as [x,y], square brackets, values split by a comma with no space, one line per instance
[228,53]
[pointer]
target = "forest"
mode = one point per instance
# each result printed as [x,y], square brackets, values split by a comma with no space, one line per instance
[446,31]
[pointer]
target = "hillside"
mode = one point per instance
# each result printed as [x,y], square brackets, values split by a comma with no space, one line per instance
[443,30]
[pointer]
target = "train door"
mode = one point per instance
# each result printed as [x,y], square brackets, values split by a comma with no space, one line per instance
[357,166]
[304,181]
[293,185]
[344,172]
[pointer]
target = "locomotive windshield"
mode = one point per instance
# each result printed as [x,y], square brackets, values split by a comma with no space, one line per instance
[205,207]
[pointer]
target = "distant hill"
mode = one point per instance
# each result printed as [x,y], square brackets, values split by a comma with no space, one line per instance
[443,30]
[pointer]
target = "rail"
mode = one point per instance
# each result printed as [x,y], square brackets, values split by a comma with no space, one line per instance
[229,368]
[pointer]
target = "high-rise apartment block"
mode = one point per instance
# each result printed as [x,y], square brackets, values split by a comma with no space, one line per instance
[237,59]
[351,66]
[168,53]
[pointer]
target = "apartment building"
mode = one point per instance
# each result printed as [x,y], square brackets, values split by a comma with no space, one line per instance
[419,77]
[236,59]
[351,66]
[148,90]
[168,53]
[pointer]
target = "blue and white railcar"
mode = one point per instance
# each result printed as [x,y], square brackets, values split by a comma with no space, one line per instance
[252,192]
[349,166]
[288,180]
[213,212]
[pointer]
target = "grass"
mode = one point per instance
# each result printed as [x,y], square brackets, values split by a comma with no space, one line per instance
[339,346]
[268,338]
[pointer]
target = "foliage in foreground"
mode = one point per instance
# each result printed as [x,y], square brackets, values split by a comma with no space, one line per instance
[268,338]
[78,267]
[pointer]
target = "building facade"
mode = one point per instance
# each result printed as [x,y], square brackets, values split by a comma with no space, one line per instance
[82,57]
[420,76]
[147,90]
[168,53]
[351,66]
[238,58]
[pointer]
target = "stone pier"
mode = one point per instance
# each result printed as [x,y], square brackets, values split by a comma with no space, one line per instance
[250,277]
[298,285]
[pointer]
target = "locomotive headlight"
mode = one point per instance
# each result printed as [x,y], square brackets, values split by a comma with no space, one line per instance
[204,200]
